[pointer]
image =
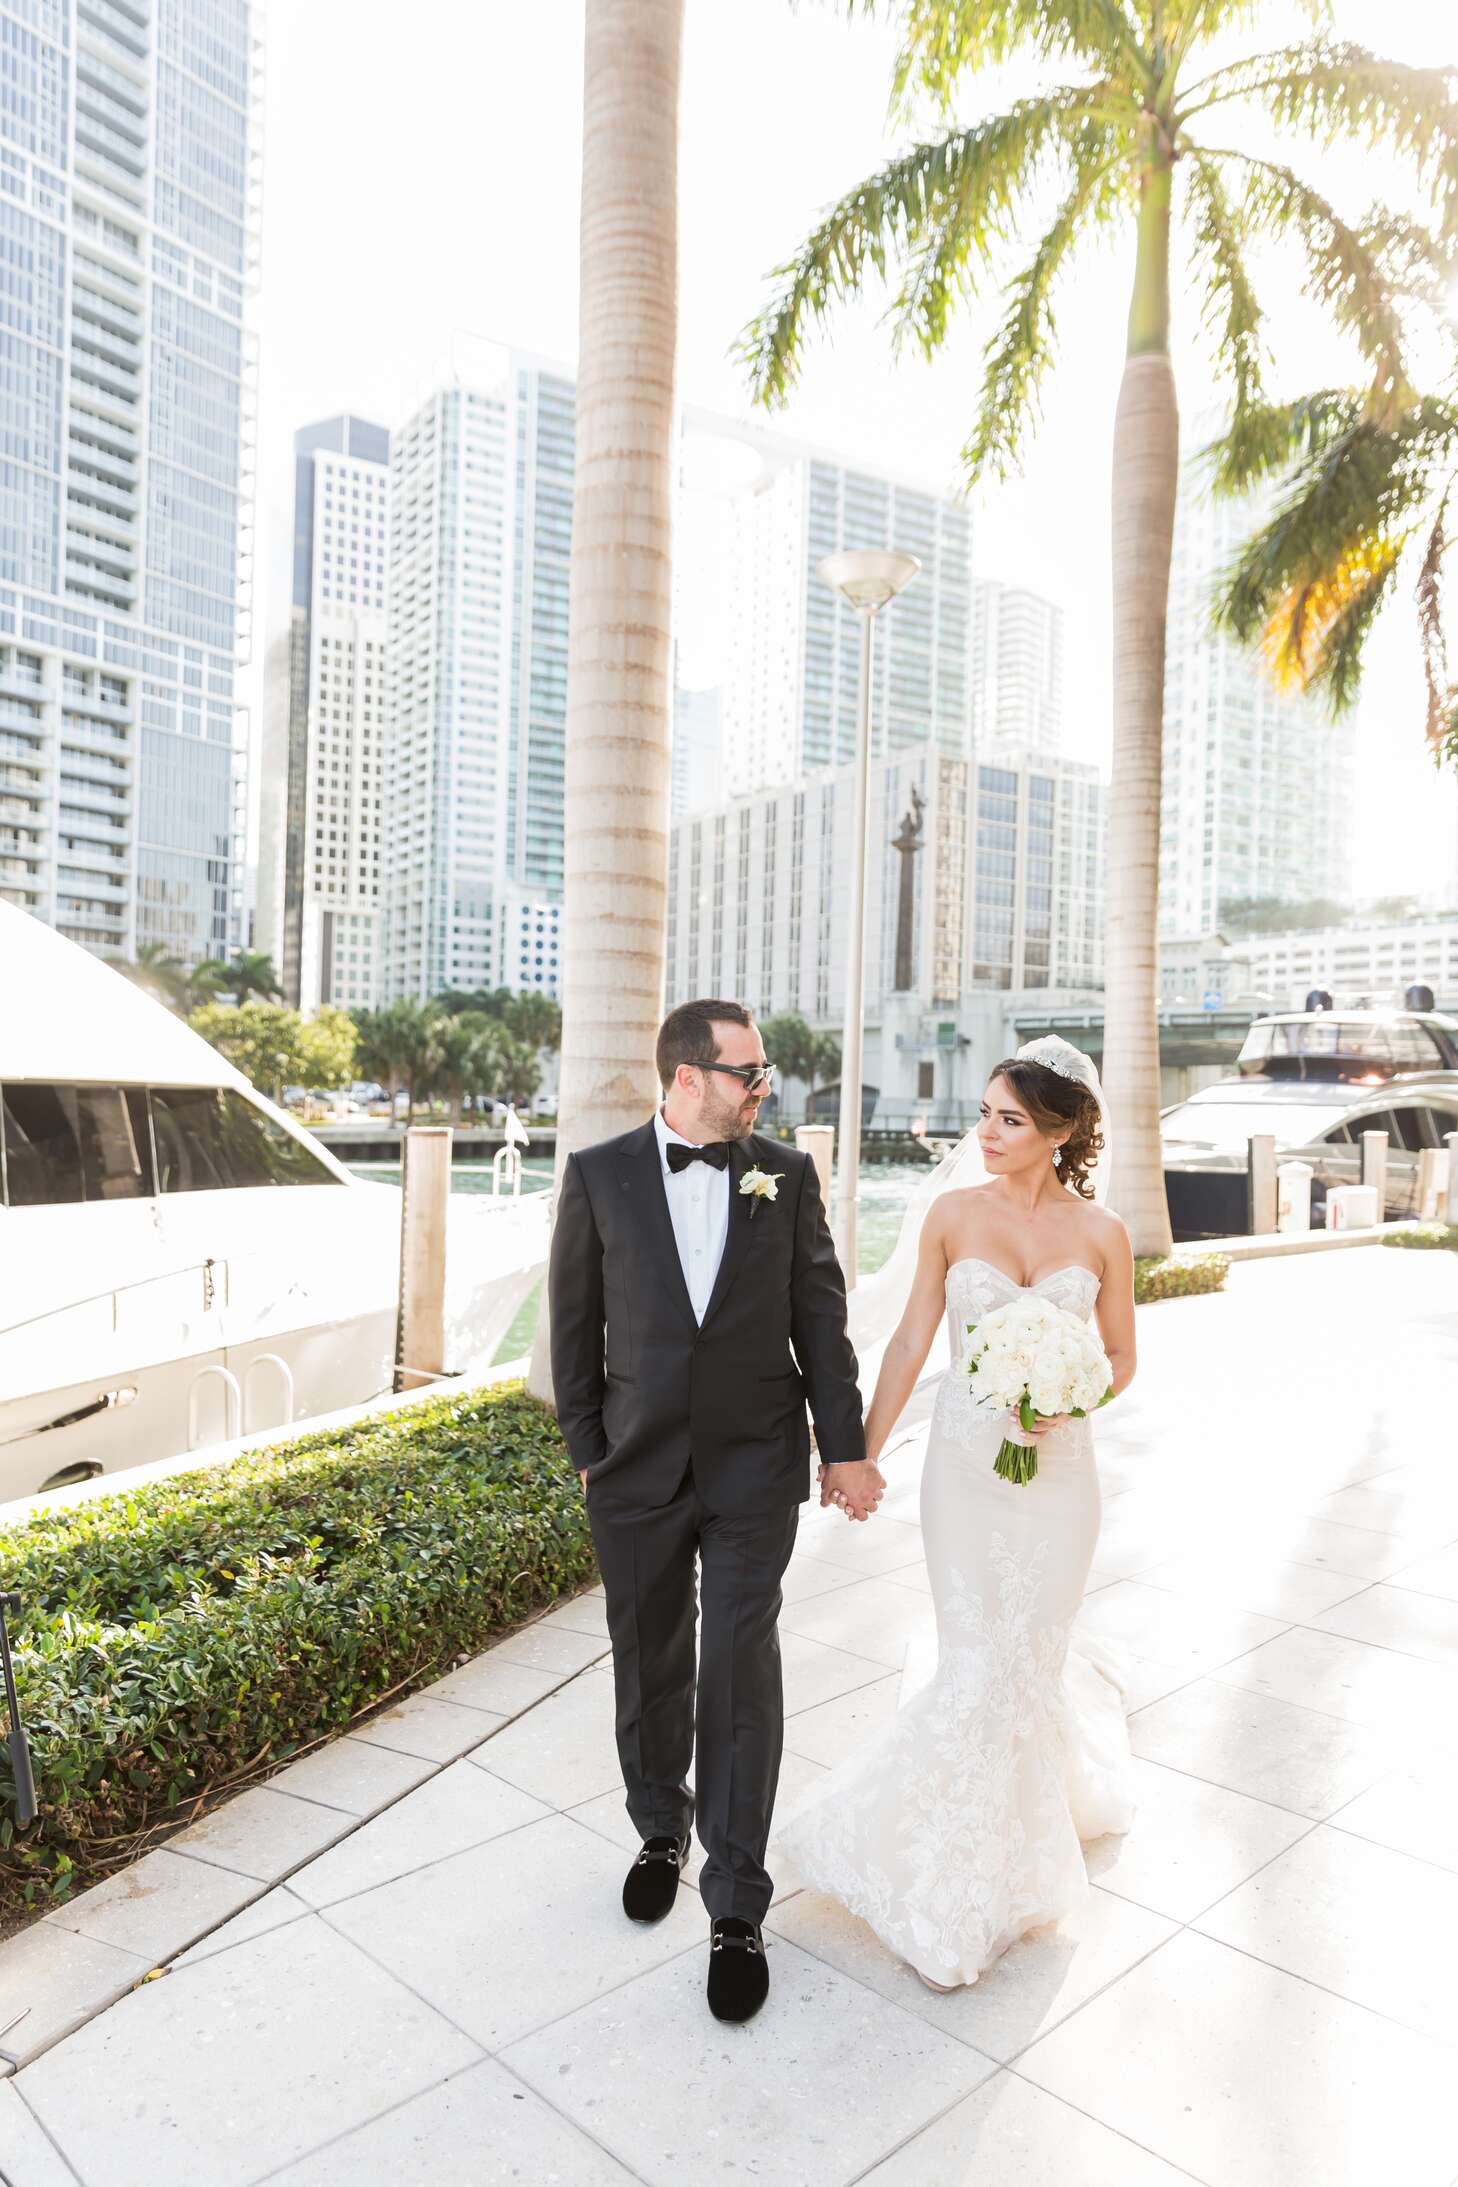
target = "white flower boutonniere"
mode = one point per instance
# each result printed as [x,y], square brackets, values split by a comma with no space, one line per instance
[760,1185]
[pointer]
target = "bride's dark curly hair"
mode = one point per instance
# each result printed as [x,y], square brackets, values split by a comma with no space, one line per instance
[1055,1103]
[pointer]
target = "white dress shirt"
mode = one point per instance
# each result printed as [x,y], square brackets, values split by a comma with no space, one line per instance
[698,1205]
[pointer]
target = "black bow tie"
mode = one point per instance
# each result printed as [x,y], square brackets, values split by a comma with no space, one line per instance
[717,1156]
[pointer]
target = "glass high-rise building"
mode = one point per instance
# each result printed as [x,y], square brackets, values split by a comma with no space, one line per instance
[476,713]
[322,791]
[1258,790]
[790,685]
[1017,643]
[128,196]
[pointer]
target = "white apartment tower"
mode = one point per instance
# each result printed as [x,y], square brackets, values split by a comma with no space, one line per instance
[476,685]
[1017,645]
[322,788]
[1006,890]
[1258,783]
[789,703]
[128,204]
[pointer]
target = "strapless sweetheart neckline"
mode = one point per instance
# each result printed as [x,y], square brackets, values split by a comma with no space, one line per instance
[970,1260]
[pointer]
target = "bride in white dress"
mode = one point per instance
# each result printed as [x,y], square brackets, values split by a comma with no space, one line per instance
[959,1828]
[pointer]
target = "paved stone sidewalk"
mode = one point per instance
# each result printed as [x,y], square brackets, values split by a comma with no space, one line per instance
[413,1968]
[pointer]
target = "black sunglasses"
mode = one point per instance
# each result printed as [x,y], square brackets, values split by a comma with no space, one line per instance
[751,1075]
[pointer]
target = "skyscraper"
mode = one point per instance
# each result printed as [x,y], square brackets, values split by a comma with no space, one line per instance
[1017,646]
[476,683]
[698,751]
[321,789]
[1258,783]
[128,164]
[793,656]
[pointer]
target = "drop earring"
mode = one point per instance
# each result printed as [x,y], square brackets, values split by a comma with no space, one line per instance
[1057,1157]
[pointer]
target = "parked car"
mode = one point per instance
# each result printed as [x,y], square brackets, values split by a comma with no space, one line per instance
[1315,1120]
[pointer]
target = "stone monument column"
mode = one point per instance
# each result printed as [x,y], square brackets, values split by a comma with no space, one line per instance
[908,842]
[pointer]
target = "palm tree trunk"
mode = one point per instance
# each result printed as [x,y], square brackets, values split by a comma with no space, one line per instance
[618,655]
[1145,481]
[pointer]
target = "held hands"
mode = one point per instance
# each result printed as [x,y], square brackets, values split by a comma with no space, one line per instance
[854,1487]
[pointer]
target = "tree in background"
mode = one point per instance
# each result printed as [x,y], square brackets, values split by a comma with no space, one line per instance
[1115,149]
[248,973]
[797,1051]
[275,1047]
[534,1019]
[398,1046]
[1279,914]
[165,977]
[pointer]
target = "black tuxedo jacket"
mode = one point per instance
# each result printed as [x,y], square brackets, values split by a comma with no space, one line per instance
[642,1390]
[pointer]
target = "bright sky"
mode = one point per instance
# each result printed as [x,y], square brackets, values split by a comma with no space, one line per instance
[423,173]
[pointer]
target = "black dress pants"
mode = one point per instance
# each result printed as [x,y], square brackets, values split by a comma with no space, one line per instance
[730,1721]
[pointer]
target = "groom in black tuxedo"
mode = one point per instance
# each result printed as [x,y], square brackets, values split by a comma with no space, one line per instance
[696,1306]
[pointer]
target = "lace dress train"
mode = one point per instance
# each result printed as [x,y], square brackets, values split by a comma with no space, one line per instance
[958,1829]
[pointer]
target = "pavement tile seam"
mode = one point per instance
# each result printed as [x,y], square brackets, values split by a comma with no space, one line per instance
[576,2124]
[1314,1823]
[911,2140]
[1357,2004]
[333,2141]
[393,1974]
[496,1837]
[172,1961]
[965,2041]
[539,2027]
[1148,2148]
[1177,1769]
[138,1967]
[40,2125]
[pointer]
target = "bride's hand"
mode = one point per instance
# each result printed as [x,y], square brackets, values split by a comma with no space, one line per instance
[1043,1424]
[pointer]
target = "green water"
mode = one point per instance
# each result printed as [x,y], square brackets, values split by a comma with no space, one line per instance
[885,1190]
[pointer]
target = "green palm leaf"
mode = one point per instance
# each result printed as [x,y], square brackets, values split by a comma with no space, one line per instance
[1332,91]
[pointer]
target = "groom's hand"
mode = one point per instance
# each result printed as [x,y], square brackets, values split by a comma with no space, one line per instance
[855,1486]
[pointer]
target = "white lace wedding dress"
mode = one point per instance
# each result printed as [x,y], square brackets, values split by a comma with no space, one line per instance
[958,1829]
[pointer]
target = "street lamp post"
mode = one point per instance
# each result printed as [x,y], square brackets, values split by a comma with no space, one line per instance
[867,580]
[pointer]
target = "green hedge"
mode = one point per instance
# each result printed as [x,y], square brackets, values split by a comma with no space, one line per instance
[1432,1237]
[197,1629]
[1158,1277]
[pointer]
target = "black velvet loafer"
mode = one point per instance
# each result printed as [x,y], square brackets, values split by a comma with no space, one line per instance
[738,1969]
[651,1884]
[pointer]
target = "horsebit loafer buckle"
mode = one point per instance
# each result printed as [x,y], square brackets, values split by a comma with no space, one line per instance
[672,1856]
[740,1943]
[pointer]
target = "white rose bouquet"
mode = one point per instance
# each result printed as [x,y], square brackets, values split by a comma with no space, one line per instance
[1033,1358]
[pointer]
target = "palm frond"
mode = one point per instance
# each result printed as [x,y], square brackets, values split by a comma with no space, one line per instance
[942,40]
[962,189]
[1344,272]
[1331,91]
[1274,437]
[1019,354]
[943,267]
[1442,715]
[1309,584]
[1229,309]
[1336,619]
[1314,634]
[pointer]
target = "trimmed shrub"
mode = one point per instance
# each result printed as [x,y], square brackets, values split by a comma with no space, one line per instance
[1429,1237]
[1160,1277]
[195,1630]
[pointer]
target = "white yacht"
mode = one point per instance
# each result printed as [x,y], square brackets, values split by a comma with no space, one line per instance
[180,1262]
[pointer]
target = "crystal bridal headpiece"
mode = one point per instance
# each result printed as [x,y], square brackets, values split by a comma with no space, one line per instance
[1057,1054]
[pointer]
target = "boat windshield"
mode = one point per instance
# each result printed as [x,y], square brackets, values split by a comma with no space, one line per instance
[1281,1046]
[1227,1125]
